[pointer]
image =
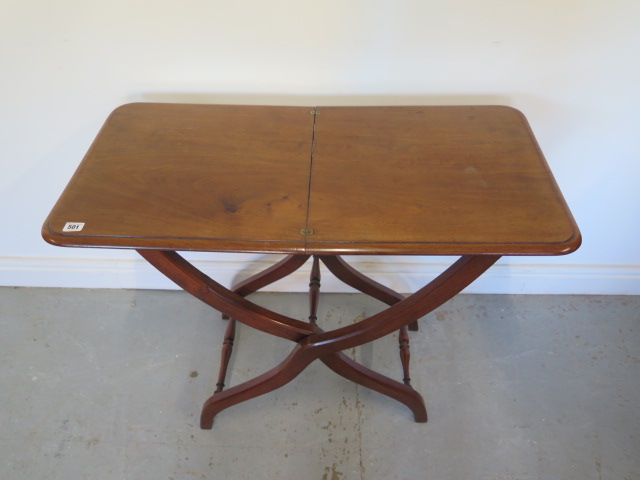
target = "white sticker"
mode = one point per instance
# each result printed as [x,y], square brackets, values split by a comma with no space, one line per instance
[73,227]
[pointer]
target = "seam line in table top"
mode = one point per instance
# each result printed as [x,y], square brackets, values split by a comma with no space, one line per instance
[314,112]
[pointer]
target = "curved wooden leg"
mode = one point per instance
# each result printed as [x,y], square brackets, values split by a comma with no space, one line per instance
[313,343]
[359,281]
[448,284]
[352,277]
[352,370]
[349,275]
[327,344]
[275,272]
[275,378]
[192,280]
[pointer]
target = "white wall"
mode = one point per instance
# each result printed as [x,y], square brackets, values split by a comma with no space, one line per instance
[572,67]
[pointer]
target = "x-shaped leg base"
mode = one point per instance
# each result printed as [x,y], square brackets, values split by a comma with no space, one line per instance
[313,343]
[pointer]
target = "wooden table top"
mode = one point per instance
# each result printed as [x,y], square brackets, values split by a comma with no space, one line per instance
[325,180]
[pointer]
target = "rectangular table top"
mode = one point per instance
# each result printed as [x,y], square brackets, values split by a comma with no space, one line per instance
[416,180]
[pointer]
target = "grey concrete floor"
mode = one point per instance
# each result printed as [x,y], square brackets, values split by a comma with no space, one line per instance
[100,384]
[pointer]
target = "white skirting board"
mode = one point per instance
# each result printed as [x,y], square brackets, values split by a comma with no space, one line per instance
[403,276]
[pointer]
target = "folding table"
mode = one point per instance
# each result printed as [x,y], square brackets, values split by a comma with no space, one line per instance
[319,183]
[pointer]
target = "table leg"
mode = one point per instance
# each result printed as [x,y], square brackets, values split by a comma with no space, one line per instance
[312,342]
[275,378]
[405,354]
[352,277]
[352,370]
[314,291]
[277,271]
[349,275]
[225,356]
[195,282]
[445,286]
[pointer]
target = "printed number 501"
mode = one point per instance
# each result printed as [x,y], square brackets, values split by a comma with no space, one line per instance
[73,227]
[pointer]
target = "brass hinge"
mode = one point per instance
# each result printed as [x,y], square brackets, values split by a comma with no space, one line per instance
[314,112]
[306,231]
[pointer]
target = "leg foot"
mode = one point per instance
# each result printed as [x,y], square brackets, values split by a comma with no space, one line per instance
[275,378]
[350,369]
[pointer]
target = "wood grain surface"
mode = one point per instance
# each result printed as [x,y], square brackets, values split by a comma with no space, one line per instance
[434,180]
[345,180]
[192,177]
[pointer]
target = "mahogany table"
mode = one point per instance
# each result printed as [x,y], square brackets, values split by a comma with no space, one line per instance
[316,182]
